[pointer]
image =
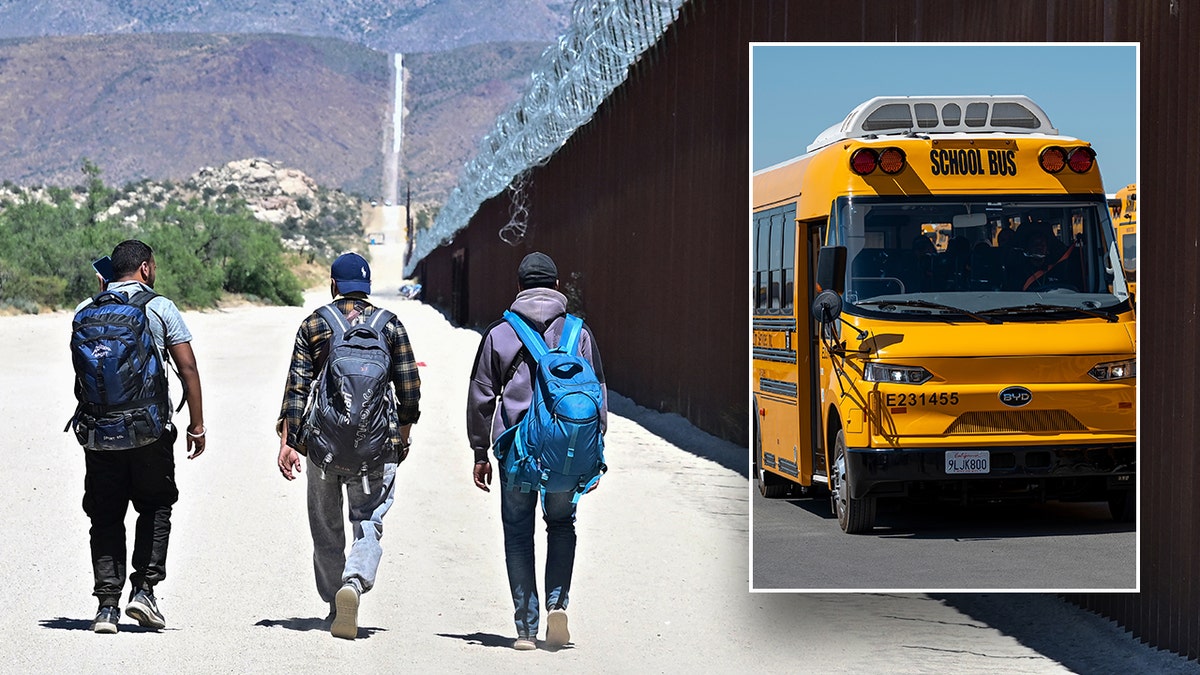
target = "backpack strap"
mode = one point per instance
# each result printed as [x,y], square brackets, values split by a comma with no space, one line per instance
[333,316]
[572,327]
[534,342]
[380,318]
[142,298]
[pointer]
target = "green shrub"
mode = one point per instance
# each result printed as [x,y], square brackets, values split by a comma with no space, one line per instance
[46,252]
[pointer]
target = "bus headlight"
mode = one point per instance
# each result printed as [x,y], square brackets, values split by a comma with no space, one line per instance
[1114,370]
[881,372]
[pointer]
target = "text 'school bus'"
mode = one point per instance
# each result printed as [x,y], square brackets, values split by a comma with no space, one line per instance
[939,312]
[1123,207]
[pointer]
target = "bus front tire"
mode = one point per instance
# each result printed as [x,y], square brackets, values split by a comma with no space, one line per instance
[854,515]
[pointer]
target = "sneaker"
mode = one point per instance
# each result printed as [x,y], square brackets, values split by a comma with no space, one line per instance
[106,620]
[524,643]
[345,622]
[557,634]
[143,608]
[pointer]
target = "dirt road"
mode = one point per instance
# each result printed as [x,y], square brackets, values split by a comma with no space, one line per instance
[661,577]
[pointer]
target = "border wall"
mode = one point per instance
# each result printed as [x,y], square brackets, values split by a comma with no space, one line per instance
[645,210]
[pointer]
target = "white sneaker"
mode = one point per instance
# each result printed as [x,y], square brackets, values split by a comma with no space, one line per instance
[345,622]
[557,634]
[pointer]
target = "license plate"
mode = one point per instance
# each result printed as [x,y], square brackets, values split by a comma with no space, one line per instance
[968,461]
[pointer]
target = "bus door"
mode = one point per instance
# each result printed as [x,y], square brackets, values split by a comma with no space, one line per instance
[810,427]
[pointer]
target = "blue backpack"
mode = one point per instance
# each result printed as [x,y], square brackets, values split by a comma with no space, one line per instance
[120,379]
[557,446]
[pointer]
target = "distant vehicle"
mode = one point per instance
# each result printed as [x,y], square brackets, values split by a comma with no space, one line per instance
[374,203]
[387,202]
[376,238]
[410,291]
[1123,207]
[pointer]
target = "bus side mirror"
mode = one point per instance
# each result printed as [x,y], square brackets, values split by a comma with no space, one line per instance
[827,307]
[831,269]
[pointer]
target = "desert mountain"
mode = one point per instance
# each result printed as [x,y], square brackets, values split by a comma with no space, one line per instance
[161,106]
[386,25]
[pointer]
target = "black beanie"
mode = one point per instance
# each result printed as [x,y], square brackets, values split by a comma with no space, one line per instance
[537,270]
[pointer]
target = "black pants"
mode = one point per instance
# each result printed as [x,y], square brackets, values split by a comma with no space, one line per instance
[144,476]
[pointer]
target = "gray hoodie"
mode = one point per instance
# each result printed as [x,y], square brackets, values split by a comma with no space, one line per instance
[544,308]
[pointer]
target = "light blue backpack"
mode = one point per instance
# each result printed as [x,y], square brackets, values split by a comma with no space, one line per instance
[557,446]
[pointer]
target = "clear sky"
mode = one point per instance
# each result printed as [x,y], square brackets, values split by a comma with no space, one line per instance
[1089,91]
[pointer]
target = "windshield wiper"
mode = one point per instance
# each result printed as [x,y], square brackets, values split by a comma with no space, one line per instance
[1041,307]
[884,304]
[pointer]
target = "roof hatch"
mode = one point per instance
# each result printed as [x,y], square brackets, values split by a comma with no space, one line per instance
[886,115]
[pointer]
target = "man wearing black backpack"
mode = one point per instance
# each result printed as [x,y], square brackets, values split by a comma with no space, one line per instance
[120,344]
[500,396]
[351,398]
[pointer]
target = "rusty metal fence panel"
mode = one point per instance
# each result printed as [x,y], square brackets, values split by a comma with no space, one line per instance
[646,211]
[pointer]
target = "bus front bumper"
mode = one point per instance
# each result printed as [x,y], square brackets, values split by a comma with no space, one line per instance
[1049,470]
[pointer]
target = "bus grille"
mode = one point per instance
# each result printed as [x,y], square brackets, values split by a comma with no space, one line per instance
[1015,420]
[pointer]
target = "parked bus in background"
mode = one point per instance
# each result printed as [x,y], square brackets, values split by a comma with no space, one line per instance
[1123,207]
[1000,365]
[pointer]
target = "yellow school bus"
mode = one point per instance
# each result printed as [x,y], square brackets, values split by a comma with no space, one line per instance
[1123,207]
[1000,365]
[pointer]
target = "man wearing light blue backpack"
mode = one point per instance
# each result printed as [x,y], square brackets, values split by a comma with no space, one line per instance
[537,398]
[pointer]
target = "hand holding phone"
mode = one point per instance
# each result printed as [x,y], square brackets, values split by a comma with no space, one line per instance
[104,268]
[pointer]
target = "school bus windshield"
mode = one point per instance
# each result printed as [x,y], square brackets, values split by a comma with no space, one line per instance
[906,255]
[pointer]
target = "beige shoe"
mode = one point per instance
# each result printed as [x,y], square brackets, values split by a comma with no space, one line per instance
[524,644]
[557,634]
[345,622]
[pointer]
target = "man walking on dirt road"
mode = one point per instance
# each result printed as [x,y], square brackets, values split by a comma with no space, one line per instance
[503,371]
[123,423]
[353,429]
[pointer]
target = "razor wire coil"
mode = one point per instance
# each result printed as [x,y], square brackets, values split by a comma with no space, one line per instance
[573,77]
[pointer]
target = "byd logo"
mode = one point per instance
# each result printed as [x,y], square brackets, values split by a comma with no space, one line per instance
[1015,397]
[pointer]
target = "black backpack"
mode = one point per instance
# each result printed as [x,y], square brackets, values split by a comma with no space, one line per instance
[346,427]
[120,378]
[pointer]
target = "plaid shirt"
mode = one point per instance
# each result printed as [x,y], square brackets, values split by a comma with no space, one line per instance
[312,341]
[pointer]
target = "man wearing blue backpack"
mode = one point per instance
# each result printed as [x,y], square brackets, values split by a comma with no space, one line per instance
[121,342]
[537,397]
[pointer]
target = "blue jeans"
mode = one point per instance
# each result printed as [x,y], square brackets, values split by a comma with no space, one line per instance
[517,513]
[325,520]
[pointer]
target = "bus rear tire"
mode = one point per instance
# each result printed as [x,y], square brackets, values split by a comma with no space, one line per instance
[854,515]
[769,485]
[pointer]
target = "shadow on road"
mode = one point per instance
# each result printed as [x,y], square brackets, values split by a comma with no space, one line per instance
[1081,641]
[313,623]
[482,639]
[677,431]
[978,522]
[63,623]
[493,640]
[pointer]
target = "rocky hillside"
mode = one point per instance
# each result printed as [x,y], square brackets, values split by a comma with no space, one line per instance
[388,25]
[160,106]
[311,219]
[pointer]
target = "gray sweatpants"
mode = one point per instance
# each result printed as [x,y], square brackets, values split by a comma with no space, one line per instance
[327,521]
